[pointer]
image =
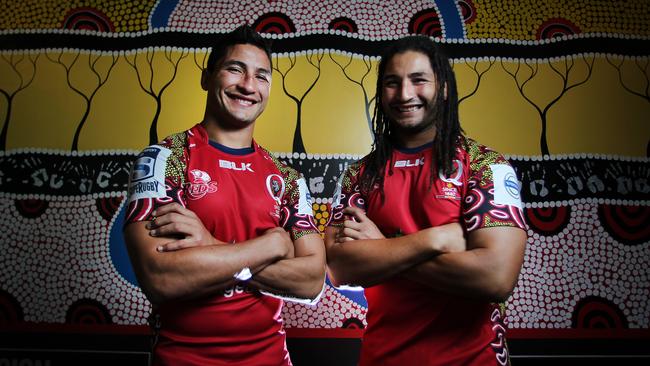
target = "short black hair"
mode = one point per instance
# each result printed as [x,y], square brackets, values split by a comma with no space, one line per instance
[243,34]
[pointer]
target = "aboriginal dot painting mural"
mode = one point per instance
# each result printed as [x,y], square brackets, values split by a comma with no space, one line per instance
[561,88]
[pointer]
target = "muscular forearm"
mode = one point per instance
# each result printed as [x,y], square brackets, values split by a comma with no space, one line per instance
[300,278]
[368,262]
[487,272]
[194,271]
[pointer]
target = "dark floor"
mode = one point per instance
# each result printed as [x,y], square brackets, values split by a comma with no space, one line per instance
[96,349]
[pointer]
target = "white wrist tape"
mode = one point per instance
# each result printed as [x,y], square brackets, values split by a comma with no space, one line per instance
[244,275]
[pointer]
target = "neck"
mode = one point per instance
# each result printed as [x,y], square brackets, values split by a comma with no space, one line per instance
[410,139]
[235,138]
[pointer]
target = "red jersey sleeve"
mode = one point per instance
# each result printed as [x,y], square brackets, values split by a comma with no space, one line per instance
[157,178]
[296,214]
[493,192]
[347,194]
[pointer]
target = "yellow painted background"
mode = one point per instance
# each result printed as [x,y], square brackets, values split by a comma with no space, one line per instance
[599,116]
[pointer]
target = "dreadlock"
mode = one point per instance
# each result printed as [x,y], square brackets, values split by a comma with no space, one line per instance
[445,115]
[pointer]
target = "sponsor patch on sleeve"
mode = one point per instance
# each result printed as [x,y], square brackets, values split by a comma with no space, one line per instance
[148,174]
[304,199]
[506,185]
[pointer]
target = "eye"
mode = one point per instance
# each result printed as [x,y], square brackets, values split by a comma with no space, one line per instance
[390,83]
[234,69]
[263,77]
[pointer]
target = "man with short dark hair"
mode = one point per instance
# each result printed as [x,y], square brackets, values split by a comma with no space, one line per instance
[430,223]
[218,230]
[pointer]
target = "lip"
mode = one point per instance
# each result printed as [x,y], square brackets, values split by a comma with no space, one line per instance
[406,108]
[242,100]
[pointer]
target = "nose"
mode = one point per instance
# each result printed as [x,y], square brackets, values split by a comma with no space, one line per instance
[247,84]
[406,91]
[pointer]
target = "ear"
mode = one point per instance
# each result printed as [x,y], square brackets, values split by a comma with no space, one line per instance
[445,91]
[205,79]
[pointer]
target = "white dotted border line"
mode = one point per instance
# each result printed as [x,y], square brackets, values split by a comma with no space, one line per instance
[325,200]
[310,156]
[86,32]
[321,51]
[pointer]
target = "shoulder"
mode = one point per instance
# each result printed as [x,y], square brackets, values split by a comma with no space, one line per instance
[167,159]
[286,171]
[479,154]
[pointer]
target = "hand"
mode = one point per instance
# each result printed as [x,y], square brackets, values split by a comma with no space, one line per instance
[361,227]
[174,220]
[278,236]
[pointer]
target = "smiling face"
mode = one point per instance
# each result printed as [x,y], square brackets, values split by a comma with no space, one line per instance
[408,94]
[238,87]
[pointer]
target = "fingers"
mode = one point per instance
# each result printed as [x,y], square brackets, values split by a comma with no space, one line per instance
[355,212]
[176,245]
[346,234]
[352,225]
[172,228]
[173,207]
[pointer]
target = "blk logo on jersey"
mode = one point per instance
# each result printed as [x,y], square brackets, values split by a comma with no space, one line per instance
[409,163]
[200,185]
[244,167]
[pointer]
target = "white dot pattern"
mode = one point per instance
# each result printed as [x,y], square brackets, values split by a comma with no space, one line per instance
[60,257]
[63,255]
[390,20]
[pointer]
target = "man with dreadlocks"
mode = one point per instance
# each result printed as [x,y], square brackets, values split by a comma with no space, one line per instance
[429,222]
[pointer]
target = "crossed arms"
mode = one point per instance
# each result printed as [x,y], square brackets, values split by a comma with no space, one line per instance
[485,265]
[175,257]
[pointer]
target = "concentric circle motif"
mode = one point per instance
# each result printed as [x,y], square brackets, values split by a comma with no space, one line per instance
[593,312]
[467,10]
[31,208]
[107,207]
[88,19]
[425,22]
[10,310]
[344,24]
[352,323]
[556,27]
[627,224]
[274,23]
[88,311]
[548,220]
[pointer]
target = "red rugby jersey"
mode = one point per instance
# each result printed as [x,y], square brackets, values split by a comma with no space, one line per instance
[408,323]
[238,194]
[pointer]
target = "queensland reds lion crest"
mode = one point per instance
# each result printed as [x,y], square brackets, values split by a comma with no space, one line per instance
[200,184]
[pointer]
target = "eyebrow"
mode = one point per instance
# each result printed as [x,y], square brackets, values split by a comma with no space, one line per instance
[411,75]
[243,65]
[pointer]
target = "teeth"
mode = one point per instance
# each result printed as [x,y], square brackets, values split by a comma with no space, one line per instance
[408,109]
[244,102]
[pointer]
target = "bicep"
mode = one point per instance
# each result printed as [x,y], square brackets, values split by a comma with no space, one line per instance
[310,245]
[140,245]
[506,244]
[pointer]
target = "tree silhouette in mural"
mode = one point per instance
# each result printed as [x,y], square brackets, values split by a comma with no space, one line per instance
[9,93]
[360,82]
[314,58]
[644,69]
[101,74]
[563,72]
[479,76]
[202,55]
[147,71]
